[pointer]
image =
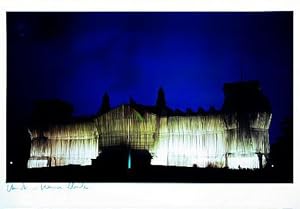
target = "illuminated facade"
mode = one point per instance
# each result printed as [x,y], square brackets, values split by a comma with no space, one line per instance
[233,139]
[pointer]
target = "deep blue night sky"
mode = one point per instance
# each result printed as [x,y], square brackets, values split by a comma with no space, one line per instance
[77,57]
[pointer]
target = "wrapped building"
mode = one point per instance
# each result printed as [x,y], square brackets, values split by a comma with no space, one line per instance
[235,137]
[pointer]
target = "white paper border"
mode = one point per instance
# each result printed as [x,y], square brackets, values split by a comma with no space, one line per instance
[152,195]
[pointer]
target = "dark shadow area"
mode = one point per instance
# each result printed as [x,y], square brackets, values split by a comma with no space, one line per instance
[151,174]
[44,114]
[122,158]
[245,97]
[281,153]
[51,112]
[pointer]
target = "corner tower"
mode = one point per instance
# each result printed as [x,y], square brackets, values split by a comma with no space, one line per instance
[247,114]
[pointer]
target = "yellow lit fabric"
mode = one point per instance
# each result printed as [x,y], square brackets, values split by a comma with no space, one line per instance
[63,145]
[210,140]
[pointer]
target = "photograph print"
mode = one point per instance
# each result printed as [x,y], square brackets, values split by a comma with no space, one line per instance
[173,97]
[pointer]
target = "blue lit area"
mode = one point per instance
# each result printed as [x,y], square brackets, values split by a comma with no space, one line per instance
[129,160]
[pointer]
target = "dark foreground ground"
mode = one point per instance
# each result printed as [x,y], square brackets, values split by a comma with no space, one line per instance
[148,174]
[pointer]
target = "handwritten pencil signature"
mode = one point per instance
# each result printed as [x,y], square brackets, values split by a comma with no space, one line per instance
[11,187]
